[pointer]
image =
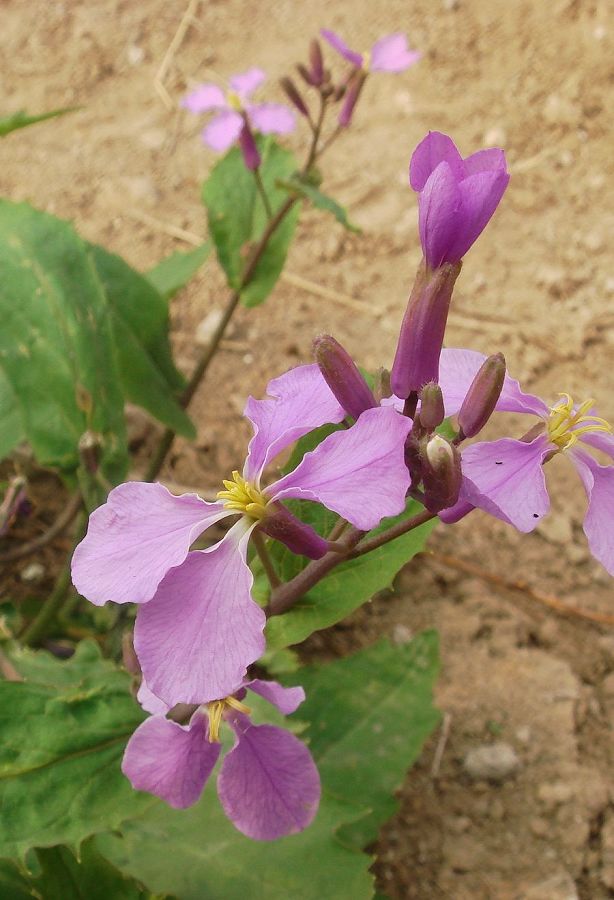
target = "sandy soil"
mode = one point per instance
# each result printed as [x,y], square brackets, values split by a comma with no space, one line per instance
[533,77]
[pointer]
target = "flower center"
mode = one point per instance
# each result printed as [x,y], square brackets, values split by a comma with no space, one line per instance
[216,710]
[234,101]
[243,497]
[366,61]
[567,422]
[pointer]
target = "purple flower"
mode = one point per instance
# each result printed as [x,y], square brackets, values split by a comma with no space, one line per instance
[268,783]
[389,54]
[457,196]
[235,114]
[198,628]
[506,478]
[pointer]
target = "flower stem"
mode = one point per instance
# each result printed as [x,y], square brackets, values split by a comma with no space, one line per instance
[265,559]
[391,534]
[263,194]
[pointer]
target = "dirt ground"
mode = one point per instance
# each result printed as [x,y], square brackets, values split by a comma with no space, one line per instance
[531,76]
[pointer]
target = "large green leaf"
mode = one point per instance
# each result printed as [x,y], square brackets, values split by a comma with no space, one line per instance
[174,272]
[237,217]
[349,585]
[369,716]
[22,119]
[63,876]
[11,428]
[63,733]
[56,343]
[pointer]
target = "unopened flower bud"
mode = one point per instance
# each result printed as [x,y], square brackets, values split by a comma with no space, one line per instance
[352,94]
[251,156]
[382,384]
[293,95]
[317,64]
[416,360]
[14,503]
[305,74]
[342,376]
[482,396]
[432,412]
[441,474]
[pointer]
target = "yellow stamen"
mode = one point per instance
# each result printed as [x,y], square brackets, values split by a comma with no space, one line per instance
[567,423]
[216,710]
[366,61]
[234,101]
[243,497]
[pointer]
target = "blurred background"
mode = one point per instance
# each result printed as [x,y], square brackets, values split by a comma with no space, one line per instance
[533,78]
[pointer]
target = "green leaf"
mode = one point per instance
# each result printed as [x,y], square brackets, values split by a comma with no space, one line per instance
[301,188]
[196,853]
[21,119]
[11,428]
[349,585]
[369,716]
[237,217]
[63,734]
[56,342]
[174,272]
[62,876]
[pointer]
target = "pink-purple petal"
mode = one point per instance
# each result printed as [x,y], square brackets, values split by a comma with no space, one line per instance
[204,99]
[271,118]
[440,215]
[598,523]
[599,440]
[197,636]
[458,368]
[338,44]
[169,760]
[298,401]
[134,538]
[223,130]
[286,699]
[268,784]
[480,196]
[505,478]
[489,160]
[435,148]
[150,702]
[359,473]
[246,83]
[391,54]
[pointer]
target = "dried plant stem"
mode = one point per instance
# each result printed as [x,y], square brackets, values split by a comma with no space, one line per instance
[61,523]
[522,587]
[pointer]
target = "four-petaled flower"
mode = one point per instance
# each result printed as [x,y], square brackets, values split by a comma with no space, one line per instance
[389,54]
[268,783]
[236,113]
[457,196]
[506,478]
[198,629]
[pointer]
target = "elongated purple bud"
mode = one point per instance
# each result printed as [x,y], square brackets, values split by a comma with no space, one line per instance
[382,384]
[292,93]
[441,474]
[129,658]
[342,376]
[352,94]
[482,396]
[432,412]
[317,63]
[296,535]
[416,361]
[251,156]
[305,74]
[15,500]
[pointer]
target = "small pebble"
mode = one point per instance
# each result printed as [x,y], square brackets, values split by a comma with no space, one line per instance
[491,762]
[32,573]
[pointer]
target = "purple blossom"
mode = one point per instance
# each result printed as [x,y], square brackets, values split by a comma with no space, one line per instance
[506,478]
[389,54]
[197,628]
[236,115]
[457,196]
[268,784]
